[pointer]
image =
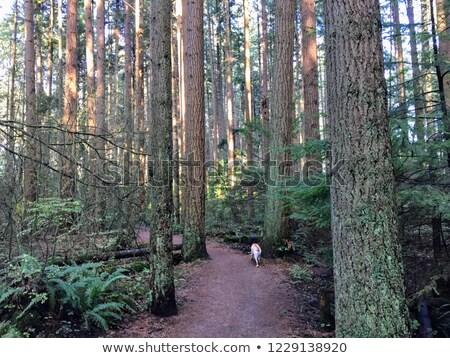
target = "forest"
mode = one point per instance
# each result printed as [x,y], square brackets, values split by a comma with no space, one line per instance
[146,145]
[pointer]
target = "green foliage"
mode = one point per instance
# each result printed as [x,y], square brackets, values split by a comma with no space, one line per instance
[426,200]
[177,229]
[138,286]
[52,215]
[309,199]
[21,296]
[311,204]
[87,292]
[8,330]
[415,325]
[74,296]
[442,320]
[226,205]
[300,273]
[326,254]
[314,148]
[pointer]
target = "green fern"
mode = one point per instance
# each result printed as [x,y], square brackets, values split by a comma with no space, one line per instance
[85,295]
[97,319]
[38,299]
[28,266]
[114,277]
[67,293]
[103,314]
[6,292]
[9,330]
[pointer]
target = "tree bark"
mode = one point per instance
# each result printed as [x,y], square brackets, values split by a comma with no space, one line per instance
[30,164]
[176,125]
[311,128]
[194,240]
[276,220]
[38,49]
[161,274]
[426,84]
[220,85]
[436,226]
[368,273]
[248,104]
[50,48]
[60,62]
[418,98]
[298,133]
[229,85]
[398,53]
[181,14]
[70,103]
[10,141]
[443,27]
[215,102]
[139,94]
[265,91]
[101,126]
[115,98]
[90,87]
[127,113]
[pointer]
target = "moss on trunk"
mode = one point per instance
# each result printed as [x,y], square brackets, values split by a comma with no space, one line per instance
[368,272]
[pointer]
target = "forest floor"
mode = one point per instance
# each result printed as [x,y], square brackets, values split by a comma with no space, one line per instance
[227,296]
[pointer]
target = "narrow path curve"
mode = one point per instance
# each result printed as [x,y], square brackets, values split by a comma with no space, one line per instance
[226,296]
[230,297]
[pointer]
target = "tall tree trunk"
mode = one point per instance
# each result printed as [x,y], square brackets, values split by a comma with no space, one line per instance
[426,82]
[442,55]
[60,83]
[70,104]
[298,89]
[311,128]
[265,91]
[127,113]
[439,28]
[38,48]
[229,84]
[181,14]
[220,87]
[11,142]
[436,226]
[161,272]
[116,150]
[90,87]
[368,273]
[248,104]
[276,220]
[398,53]
[100,113]
[40,103]
[418,98]
[50,48]
[215,104]
[176,124]
[194,240]
[139,94]
[30,164]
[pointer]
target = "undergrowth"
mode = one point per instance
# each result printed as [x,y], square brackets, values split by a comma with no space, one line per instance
[63,301]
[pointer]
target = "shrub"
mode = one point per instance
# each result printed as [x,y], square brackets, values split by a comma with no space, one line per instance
[300,274]
[33,295]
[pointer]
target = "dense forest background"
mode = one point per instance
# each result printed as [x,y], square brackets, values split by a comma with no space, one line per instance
[121,117]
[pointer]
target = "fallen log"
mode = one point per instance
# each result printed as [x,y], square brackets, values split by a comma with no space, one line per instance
[117,255]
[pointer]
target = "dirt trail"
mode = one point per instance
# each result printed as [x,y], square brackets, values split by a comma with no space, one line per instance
[233,298]
[226,296]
